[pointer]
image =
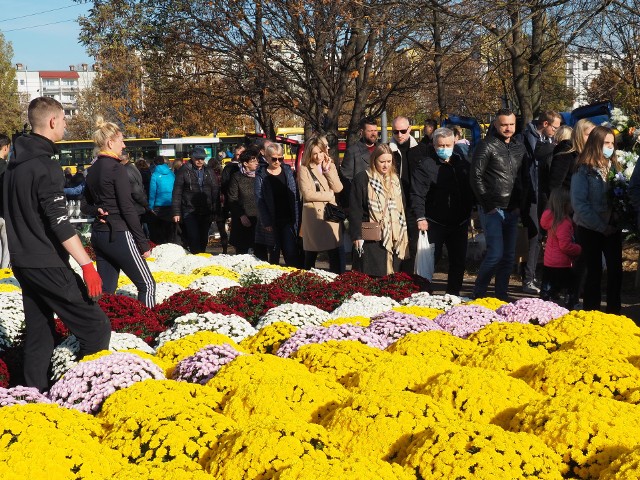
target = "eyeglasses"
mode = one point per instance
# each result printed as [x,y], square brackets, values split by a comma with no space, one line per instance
[396,132]
[277,159]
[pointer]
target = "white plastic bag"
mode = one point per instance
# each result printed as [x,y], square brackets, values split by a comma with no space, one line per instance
[425,257]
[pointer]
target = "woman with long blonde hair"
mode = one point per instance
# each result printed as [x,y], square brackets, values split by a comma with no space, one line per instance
[116,235]
[597,232]
[318,182]
[376,196]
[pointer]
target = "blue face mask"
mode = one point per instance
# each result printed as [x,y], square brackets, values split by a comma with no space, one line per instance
[444,153]
[607,152]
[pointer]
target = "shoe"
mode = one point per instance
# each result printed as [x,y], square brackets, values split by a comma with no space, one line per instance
[530,289]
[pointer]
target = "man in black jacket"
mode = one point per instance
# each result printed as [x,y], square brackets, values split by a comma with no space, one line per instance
[40,241]
[356,158]
[499,178]
[195,200]
[442,199]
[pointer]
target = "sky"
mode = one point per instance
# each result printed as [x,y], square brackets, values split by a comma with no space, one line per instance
[44,33]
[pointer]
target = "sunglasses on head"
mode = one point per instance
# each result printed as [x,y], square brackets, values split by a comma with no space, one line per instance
[396,132]
[277,159]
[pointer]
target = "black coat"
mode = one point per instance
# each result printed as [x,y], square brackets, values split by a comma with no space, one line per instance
[189,197]
[440,191]
[563,164]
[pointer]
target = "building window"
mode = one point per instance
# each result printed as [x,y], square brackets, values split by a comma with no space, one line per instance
[596,66]
[21,82]
[585,66]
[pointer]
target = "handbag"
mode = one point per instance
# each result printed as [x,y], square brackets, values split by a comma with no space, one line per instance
[371,231]
[333,213]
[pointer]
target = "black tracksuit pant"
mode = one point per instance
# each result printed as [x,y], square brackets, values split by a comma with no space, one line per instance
[118,251]
[46,291]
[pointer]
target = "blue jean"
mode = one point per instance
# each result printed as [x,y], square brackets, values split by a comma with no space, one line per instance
[500,235]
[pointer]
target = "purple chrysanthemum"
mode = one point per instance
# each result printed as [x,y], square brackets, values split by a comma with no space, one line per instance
[308,335]
[464,320]
[205,363]
[531,310]
[391,326]
[87,385]
[20,396]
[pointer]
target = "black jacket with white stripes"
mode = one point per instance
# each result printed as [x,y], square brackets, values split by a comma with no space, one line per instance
[34,205]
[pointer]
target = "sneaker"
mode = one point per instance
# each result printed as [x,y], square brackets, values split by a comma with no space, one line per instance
[530,289]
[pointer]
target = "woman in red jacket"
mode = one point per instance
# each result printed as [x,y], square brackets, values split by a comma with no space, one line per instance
[560,251]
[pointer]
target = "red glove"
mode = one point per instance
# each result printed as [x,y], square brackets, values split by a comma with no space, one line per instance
[92,280]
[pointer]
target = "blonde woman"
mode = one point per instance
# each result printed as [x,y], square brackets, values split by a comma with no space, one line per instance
[566,153]
[117,237]
[376,196]
[319,182]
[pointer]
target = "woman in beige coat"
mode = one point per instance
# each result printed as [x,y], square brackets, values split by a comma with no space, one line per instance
[318,183]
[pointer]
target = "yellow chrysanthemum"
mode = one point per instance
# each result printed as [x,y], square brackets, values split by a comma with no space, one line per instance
[216,271]
[566,371]
[625,467]
[430,344]
[275,387]
[269,338]
[479,452]
[265,446]
[60,443]
[177,278]
[203,254]
[393,373]
[357,320]
[161,471]
[351,468]
[488,302]
[174,351]
[588,432]
[380,425]
[621,345]
[337,359]
[164,421]
[480,395]
[577,323]
[418,311]
[276,267]
[508,347]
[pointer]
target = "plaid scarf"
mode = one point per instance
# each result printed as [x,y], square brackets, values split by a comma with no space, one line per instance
[386,207]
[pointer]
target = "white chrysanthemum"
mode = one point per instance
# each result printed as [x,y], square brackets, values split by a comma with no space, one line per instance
[439,302]
[11,319]
[364,306]
[212,284]
[188,264]
[237,263]
[233,326]
[261,276]
[164,255]
[296,314]
[65,355]
[324,274]
[163,290]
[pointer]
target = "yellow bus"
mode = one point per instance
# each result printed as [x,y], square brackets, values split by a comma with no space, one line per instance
[80,152]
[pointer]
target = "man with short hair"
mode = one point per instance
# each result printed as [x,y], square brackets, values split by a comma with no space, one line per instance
[356,158]
[430,126]
[499,179]
[5,146]
[538,139]
[402,142]
[195,200]
[41,238]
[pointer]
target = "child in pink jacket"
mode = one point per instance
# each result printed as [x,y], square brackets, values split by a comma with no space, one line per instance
[560,251]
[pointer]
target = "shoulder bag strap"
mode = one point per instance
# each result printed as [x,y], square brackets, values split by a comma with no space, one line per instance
[315,180]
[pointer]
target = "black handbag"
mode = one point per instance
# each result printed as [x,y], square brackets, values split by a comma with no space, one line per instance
[333,213]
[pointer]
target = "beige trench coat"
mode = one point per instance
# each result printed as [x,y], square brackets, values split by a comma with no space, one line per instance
[317,234]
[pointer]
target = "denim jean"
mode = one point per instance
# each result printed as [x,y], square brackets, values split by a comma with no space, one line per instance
[500,234]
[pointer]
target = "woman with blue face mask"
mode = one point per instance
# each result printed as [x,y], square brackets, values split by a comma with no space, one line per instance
[596,230]
[441,198]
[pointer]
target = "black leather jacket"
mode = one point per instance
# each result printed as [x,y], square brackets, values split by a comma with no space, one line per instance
[499,174]
[189,197]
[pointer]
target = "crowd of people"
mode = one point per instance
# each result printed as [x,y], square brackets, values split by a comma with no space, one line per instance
[551,180]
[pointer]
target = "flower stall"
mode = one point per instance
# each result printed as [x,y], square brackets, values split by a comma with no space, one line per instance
[249,371]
